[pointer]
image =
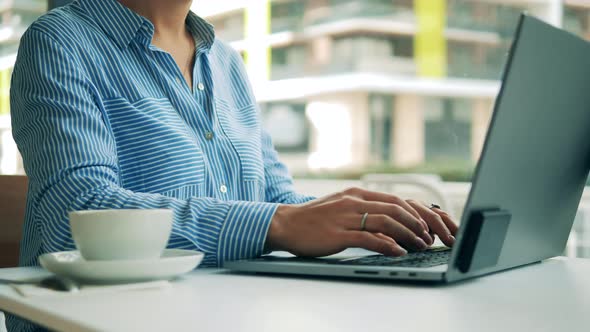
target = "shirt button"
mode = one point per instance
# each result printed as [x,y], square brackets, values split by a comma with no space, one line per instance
[223,189]
[209,135]
[178,80]
[201,86]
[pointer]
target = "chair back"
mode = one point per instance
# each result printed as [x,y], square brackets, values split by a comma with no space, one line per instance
[430,187]
[13,194]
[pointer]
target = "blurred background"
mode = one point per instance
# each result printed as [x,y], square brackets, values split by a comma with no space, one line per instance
[394,95]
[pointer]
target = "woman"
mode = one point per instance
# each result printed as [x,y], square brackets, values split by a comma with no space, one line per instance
[135,104]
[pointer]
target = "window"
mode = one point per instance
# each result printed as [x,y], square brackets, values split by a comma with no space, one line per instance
[448,130]
[286,16]
[288,62]
[381,113]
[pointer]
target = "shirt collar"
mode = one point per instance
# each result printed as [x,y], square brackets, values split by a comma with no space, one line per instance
[201,30]
[123,25]
[120,23]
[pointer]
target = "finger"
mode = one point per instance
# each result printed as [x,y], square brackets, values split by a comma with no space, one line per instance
[372,242]
[387,238]
[451,225]
[384,237]
[435,222]
[382,223]
[392,199]
[396,212]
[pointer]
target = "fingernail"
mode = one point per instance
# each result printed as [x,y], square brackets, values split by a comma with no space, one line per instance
[452,238]
[398,251]
[421,244]
[427,238]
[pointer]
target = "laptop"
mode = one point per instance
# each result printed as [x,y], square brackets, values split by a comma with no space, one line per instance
[527,184]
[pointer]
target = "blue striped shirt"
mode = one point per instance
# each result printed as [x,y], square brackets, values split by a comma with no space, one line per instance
[105,120]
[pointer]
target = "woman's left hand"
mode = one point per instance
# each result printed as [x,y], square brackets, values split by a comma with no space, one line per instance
[439,222]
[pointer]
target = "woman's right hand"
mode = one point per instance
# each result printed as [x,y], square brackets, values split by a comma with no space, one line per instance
[331,224]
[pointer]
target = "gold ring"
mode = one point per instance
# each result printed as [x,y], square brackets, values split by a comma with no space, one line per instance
[364,221]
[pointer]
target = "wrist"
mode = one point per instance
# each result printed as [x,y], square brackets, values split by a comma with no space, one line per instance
[275,238]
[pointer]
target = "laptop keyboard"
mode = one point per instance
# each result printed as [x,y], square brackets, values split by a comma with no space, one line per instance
[428,258]
[421,259]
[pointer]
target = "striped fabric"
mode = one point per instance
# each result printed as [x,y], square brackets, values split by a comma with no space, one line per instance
[104,119]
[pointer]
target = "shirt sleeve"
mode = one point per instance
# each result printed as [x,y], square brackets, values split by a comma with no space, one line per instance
[70,157]
[279,184]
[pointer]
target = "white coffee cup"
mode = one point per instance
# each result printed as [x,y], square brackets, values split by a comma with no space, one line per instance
[121,234]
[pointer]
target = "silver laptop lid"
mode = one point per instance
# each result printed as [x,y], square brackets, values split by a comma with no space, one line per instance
[536,158]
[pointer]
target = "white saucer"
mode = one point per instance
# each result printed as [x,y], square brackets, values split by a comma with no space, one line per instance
[71,265]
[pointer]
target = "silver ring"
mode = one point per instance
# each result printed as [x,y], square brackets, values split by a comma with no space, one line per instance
[434,206]
[364,221]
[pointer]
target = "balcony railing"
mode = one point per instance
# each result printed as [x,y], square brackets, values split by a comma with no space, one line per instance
[391,65]
[500,18]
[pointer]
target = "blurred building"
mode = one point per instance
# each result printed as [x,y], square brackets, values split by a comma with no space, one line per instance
[348,84]
[355,83]
[15,17]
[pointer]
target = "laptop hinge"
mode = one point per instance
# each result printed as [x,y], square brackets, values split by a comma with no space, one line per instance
[483,238]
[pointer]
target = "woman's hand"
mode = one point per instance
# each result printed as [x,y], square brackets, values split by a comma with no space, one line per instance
[331,224]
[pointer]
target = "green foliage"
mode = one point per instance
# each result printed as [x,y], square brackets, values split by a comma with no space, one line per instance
[449,170]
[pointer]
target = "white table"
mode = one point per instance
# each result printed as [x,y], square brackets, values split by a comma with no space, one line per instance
[551,296]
